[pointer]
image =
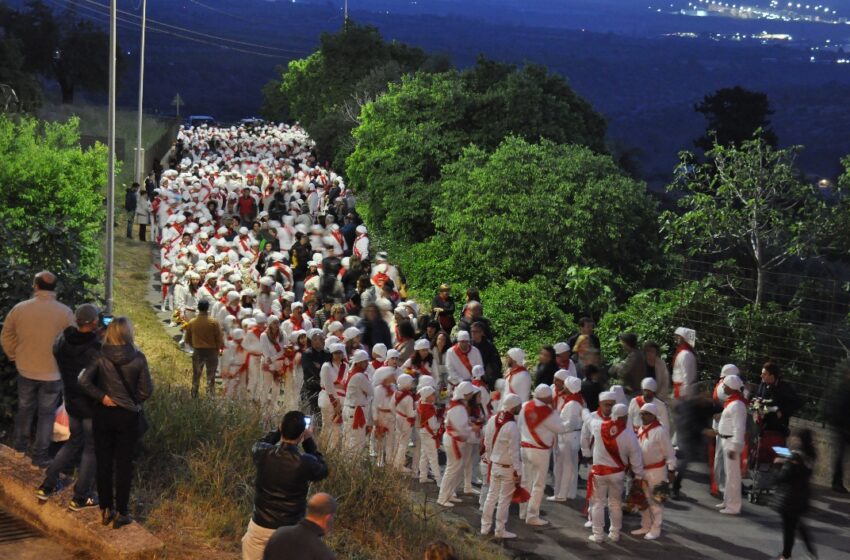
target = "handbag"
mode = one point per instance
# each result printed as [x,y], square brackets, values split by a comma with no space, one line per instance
[144,426]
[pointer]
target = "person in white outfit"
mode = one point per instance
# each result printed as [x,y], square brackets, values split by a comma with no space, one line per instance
[253,345]
[274,344]
[383,412]
[458,431]
[429,434]
[504,457]
[659,464]
[684,364]
[732,429]
[648,394]
[718,473]
[332,381]
[358,392]
[572,412]
[405,419]
[539,428]
[460,359]
[234,365]
[615,449]
[517,378]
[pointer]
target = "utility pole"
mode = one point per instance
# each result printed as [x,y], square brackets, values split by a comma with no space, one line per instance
[110,165]
[140,152]
[177,102]
[345,20]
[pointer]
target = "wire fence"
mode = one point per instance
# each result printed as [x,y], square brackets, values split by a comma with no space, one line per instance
[801,323]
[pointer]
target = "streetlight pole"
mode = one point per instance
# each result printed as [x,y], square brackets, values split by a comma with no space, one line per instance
[110,165]
[140,158]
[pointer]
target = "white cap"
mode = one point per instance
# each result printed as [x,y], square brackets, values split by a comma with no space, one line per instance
[517,355]
[351,332]
[359,356]
[232,295]
[511,401]
[337,347]
[651,408]
[464,390]
[335,326]
[543,391]
[649,384]
[425,391]
[260,317]
[619,411]
[733,382]
[562,374]
[607,396]
[477,371]
[267,281]
[382,373]
[296,305]
[729,369]
[361,229]
[393,353]
[562,348]
[243,231]
[690,335]
[404,381]
[573,384]
[463,336]
[237,334]
[422,344]
[380,349]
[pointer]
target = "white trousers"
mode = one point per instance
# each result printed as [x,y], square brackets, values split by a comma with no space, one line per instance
[428,457]
[355,439]
[333,430]
[653,516]
[719,470]
[471,460]
[732,494]
[235,388]
[292,390]
[384,444]
[255,379]
[255,540]
[607,489]
[269,392]
[566,465]
[454,469]
[535,467]
[402,438]
[500,492]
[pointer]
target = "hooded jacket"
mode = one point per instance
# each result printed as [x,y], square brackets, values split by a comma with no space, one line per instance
[74,352]
[102,377]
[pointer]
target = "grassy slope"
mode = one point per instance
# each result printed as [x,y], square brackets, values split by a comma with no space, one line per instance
[195,480]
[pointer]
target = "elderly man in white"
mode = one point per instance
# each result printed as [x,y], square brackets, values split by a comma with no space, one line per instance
[517,378]
[572,413]
[504,457]
[648,395]
[732,429]
[659,464]
[460,359]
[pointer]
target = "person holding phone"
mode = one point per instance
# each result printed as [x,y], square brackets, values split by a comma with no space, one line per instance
[793,490]
[284,474]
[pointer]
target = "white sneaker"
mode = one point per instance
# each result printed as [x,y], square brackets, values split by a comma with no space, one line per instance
[537,522]
[506,535]
[593,538]
[455,500]
[471,491]
[588,524]
[652,536]
[446,504]
[639,532]
[721,505]
[614,537]
[726,511]
[485,531]
[555,499]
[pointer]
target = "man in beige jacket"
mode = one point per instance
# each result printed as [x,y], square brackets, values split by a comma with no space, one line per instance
[29,331]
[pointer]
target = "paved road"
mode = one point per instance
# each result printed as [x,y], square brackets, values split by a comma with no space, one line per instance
[692,530]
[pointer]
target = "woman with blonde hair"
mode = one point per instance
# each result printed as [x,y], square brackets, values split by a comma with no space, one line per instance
[119,381]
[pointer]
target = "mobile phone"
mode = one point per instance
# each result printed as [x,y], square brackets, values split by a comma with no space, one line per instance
[307,421]
[783,452]
[105,320]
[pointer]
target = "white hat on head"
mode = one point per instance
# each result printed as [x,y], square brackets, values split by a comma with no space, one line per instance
[517,355]
[651,408]
[351,332]
[293,338]
[649,384]
[733,382]
[619,411]
[267,281]
[233,295]
[543,391]
[562,374]
[510,402]
[359,356]
[380,349]
[296,305]
[690,335]
[619,392]
[425,391]
[573,384]
[361,229]
[337,347]
[422,344]
[260,317]
[729,369]
[314,332]
[404,381]
[243,231]
[607,396]
[562,348]
[382,373]
[237,334]
[334,326]
[393,353]
[477,371]
[463,390]
[463,336]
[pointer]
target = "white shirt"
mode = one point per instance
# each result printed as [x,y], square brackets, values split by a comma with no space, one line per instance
[359,390]
[267,344]
[655,446]
[458,420]
[733,422]
[546,431]
[634,413]
[289,328]
[518,384]
[572,416]
[685,372]
[327,378]
[590,422]
[505,450]
[627,443]
[455,370]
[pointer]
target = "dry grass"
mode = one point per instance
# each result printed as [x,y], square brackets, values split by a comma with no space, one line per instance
[195,481]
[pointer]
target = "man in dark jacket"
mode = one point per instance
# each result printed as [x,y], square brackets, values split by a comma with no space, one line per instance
[489,354]
[74,350]
[304,541]
[283,479]
[780,395]
[373,328]
[311,363]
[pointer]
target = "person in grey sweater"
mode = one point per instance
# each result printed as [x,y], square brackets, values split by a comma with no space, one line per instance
[119,381]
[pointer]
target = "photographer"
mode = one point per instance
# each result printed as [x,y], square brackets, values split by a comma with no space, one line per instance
[284,475]
[779,397]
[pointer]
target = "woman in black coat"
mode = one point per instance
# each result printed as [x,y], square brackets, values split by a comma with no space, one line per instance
[793,491]
[119,381]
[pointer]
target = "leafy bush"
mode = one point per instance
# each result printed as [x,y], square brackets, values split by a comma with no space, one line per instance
[524,314]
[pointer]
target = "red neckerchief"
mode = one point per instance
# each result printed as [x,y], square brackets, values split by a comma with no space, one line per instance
[355,369]
[296,325]
[201,248]
[233,311]
[534,415]
[681,348]
[737,396]
[717,387]
[401,394]
[257,331]
[341,374]
[640,400]
[644,432]
[574,397]
[513,371]
[426,411]
[274,341]
[377,364]
[611,429]
[463,356]
[502,418]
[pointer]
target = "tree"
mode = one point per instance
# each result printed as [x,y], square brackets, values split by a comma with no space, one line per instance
[556,206]
[406,136]
[734,115]
[14,74]
[747,204]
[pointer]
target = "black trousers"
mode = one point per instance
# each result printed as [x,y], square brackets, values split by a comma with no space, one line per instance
[791,523]
[116,431]
[143,228]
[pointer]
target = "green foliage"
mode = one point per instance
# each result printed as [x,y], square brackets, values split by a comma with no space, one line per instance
[407,136]
[557,206]
[524,314]
[588,290]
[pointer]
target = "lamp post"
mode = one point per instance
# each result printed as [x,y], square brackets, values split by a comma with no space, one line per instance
[110,165]
[140,152]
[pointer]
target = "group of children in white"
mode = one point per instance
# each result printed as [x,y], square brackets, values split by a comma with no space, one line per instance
[400,413]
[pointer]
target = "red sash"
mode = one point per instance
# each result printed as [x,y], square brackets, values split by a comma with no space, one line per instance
[463,357]
[377,364]
[400,396]
[202,249]
[357,250]
[574,397]
[644,432]
[339,239]
[717,387]
[657,465]
[534,416]
[641,401]
[502,418]
[450,430]
[231,311]
[610,430]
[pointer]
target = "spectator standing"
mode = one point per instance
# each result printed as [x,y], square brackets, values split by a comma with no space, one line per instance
[632,369]
[840,421]
[492,362]
[782,396]
[793,491]
[143,213]
[304,540]
[204,335]
[443,308]
[119,380]
[546,366]
[131,200]
[656,368]
[284,475]
[311,361]
[373,328]
[585,327]
[74,350]
[29,331]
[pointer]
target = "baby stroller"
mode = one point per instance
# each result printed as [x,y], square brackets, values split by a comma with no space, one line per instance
[760,463]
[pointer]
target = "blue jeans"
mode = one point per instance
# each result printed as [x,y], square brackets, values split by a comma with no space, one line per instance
[131,216]
[82,437]
[36,396]
[298,289]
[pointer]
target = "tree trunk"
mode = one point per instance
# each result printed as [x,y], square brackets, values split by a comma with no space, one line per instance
[760,273]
